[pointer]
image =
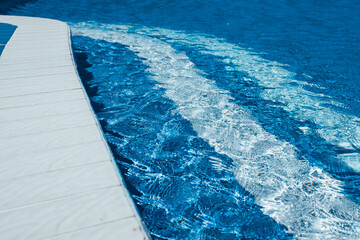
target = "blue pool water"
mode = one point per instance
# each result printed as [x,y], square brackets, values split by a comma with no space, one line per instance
[228,119]
[6,31]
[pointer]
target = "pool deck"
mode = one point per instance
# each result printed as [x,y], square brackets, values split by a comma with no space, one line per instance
[58,179]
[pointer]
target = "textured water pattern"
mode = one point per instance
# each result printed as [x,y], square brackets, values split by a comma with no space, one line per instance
[225,140]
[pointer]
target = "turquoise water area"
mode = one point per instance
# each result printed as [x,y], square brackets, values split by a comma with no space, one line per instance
[228,119]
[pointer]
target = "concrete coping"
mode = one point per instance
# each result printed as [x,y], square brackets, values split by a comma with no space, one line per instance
[58,178]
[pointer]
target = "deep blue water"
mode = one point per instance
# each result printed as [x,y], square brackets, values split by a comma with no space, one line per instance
[229,119]
[6,31]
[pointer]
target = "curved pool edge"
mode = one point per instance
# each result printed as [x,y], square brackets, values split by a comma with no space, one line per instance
[120,175]
[49,159]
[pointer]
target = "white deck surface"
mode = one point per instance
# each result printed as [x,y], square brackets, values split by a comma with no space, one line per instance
[58,179]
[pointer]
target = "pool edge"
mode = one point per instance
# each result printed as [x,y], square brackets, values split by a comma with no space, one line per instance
[9,61]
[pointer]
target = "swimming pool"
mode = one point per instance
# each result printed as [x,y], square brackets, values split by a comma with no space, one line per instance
[229,119]
[6,31]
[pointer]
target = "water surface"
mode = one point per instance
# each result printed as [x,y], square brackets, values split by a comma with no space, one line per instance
[228,119]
